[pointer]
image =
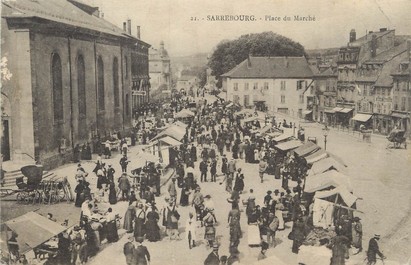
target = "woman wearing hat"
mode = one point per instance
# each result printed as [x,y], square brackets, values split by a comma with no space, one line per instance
[357,234]
[152,228]
[129,217]
[209,220]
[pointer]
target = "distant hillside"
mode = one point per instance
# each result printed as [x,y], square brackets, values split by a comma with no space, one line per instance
[199,59]
[313,53]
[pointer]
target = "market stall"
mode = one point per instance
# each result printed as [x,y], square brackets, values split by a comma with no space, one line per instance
[327,180]
[324,165]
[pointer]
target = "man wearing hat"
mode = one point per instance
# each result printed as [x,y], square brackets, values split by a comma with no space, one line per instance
[129,250]
[213,258]
[124,162]
[198,202]
[357,234]
[172,190]
[374,250]
[141,254]
[110,173]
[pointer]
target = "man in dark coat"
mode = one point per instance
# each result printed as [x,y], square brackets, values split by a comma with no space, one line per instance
[339,246]
[123,162]
[194,153]
[298,233]
[129,251]
[124,185]
[374,250]
[203,170]
[213,258]
[141,254]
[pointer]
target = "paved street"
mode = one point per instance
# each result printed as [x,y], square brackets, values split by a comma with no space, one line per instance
[379,176]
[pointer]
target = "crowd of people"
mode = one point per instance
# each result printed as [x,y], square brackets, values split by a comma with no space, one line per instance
[216,139]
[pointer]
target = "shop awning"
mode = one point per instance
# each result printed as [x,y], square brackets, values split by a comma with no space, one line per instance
[336,109]
[326,180]
[307,112]
[400,115]
[185,113]
[173,131]
[345,110]
[362,117]
[292,144]
[33,230]
[307,148]
[331,111]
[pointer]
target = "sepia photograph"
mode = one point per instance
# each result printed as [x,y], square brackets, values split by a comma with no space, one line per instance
[181,132]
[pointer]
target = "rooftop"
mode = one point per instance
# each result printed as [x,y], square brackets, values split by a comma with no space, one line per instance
[271,67]
[68,12]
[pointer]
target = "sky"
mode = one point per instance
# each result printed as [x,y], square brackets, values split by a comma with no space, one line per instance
[173,20]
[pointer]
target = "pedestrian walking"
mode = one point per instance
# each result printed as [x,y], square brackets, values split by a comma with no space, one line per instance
[129,251]
[142,255]
[374,250]
[124,162]
[191,226]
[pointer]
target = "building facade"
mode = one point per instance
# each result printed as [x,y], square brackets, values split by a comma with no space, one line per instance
[160,68]
[325,84]
[281,84]
[72,82]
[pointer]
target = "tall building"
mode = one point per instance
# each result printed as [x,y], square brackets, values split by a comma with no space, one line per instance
[160,68]
[281,84]
[350,59]
[73,78]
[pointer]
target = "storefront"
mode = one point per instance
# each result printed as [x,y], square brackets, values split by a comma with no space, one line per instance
[343,116]
[362,119]
[382,123]
[307,115]
[401,119]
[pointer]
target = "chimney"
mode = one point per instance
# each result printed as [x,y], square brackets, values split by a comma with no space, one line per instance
[383,29]
[138,32]
[102,15]
[125,26]
[353,35]
[374,46]
[249,61]
[129,26]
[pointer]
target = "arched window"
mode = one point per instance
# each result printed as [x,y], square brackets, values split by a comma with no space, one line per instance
[126,66]
[81,93]
[81,86]
[57,83]
[127,105]
[115,83]
[100,77]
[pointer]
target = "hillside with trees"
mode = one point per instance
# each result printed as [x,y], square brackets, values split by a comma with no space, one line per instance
[228,54]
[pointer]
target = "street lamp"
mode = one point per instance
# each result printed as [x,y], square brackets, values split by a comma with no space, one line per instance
[325,133]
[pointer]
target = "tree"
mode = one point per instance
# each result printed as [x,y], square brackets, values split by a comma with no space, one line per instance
[228,54]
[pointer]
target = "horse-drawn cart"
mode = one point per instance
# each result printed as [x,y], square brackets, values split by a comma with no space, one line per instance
[397,137]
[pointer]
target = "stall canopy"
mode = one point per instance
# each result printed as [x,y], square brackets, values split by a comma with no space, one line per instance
[336,109]
[181,124]
[244,111]
[339,195]
[306,149]
[173,131]
[168,140]
[345,110]
[289,145]
[325,165]
[253,118]
[33,230]
[282,137]
[317,156]
[306,112]
[327,180]
[362,117]
[185,113]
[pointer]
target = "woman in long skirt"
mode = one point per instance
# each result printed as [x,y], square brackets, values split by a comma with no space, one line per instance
[209,221]
[112,196]
[185,192]
[152,228]
[139,221]
[79,190]
[279,213]
[111,226]
[129,217]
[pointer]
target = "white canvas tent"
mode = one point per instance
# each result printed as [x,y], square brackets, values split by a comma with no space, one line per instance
[327,180]
[324,165]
